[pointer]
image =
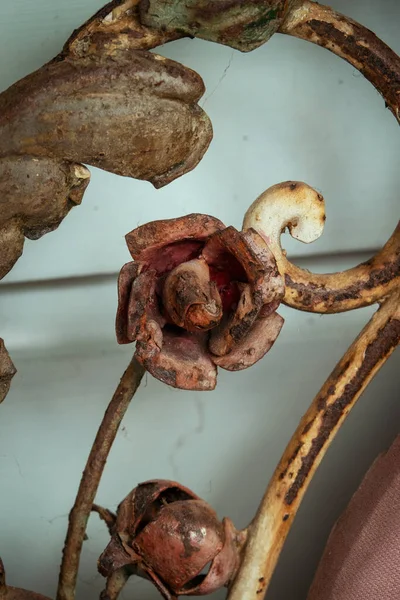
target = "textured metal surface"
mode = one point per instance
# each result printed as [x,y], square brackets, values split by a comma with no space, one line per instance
[308,445]
[166,533]
[241,24]
[300,208]
[67,113]
[116,107]
[351,41]
[198,295]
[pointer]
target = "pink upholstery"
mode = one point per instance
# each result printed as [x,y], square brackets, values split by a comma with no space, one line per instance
[362,557]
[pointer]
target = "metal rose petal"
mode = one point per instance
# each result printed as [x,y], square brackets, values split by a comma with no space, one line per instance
[143,499]
[222,567]
[167,534]
[191,298]
[181,541]
[126,278]
[237,324]
[258,341]
[143,306]
[254,257]
[183,362]
[195,276]
[146,242]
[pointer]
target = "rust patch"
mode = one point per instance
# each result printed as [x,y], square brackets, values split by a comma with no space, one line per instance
[379,63]
[308,426]
[387,338]
[291,459]
[311,294]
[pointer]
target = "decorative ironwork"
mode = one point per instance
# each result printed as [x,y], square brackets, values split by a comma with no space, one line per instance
[219,288]
[199,295]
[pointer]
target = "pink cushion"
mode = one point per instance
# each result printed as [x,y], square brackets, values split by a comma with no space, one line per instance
[362,558]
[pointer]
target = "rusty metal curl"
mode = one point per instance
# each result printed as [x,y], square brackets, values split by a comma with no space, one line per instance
[298,207]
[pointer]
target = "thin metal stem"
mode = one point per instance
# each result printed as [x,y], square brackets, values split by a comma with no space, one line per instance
[80,512]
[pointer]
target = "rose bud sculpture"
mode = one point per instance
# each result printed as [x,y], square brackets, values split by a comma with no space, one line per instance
[198,295]
[166,533]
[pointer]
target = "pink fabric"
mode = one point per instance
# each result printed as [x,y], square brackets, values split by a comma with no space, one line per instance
[362,557]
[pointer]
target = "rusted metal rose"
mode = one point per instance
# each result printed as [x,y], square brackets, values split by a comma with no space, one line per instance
[166,533]
[198,295]
[7,371]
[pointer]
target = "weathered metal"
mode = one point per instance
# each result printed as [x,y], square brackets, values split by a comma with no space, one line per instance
[298,207]
[79,515]
[165,532]
[316,431]
[147,124]
[241,24]
[114,28]
[198,295]
[351,41]
[115,584]
[35,195]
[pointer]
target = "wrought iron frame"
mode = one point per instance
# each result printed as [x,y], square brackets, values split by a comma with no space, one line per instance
[119,30]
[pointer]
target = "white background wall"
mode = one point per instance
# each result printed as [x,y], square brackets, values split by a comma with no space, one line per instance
[286,111]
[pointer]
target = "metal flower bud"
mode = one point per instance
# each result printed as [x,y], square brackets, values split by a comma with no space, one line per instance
[169,535]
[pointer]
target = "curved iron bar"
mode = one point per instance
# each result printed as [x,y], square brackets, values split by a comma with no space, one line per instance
[96,462]
[300,208]
[316,431]
[378,280]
